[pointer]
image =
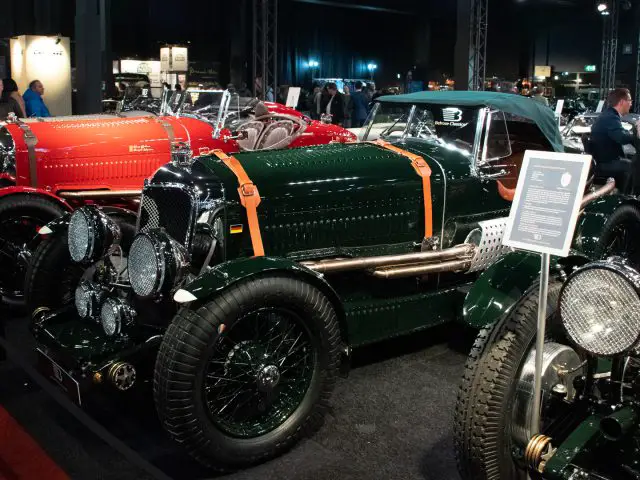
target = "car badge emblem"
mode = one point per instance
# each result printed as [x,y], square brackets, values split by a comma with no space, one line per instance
[451,114]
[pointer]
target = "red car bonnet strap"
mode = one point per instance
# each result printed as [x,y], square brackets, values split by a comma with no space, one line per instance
[249,198]
[31,141]
[422,169]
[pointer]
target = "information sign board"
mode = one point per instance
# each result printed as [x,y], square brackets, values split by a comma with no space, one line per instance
[547,202]
[293,95]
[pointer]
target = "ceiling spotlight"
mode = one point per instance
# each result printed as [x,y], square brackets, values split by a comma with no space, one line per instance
[603,7]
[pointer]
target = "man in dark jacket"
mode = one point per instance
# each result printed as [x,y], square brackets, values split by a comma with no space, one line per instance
[333,104]
[359,106]
[608,137]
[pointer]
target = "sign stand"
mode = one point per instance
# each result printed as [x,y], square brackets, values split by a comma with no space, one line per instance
[543,219]
[542,323]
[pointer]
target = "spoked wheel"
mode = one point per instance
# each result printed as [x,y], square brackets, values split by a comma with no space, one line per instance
[20,219]
[493,410]
[259,372]
[620,235]
[244,376]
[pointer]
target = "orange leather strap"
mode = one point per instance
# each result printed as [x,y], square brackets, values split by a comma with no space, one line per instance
[422,169]
[249,198]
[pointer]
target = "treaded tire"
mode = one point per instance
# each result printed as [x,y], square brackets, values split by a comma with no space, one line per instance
[626,218]
[481,445]
[186,347]
[39,208]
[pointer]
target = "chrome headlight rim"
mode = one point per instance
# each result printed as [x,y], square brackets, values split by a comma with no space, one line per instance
[617,266]
[102,233]
[95,296]
[170,258]
[122,315]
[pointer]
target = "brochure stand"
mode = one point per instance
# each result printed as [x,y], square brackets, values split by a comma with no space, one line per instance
[542,219]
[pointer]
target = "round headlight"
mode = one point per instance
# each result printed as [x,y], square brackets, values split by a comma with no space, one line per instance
[156,263]
[115,312]
[91,233]
[88,297]
[600,308]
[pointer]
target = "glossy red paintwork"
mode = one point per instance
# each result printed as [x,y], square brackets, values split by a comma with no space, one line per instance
[119,153]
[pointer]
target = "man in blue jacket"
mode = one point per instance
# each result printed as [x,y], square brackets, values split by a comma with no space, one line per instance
[33,100]
[359,106]
[608,136]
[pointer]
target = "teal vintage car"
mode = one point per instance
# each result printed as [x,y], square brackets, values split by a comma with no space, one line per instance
[244,282]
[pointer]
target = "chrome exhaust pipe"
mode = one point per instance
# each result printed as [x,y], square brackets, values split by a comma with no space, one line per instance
[606,189]
[101,194]
[460,252]
[417,270]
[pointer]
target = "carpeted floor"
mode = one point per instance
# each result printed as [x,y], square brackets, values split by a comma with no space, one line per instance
[390,419]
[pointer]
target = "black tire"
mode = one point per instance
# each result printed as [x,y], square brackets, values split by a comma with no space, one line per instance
[21,215]
[621,235]
[482,440]
[52,277]
[192,339]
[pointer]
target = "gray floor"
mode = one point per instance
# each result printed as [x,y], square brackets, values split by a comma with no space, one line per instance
[390,419]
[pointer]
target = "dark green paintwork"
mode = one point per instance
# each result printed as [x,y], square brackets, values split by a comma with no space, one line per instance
[587,448]
[505,282]
[578,445]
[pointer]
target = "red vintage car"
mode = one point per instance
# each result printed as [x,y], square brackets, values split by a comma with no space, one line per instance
[48,167]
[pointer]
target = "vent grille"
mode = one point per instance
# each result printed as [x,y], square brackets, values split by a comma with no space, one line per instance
[170,208]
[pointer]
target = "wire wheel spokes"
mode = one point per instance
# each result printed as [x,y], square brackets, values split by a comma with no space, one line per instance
[259,372]
[624,244]
[15,232]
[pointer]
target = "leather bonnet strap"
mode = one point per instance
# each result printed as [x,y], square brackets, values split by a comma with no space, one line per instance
[249,198]
[422,169]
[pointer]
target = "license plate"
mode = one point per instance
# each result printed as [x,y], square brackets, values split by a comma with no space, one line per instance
[59,376]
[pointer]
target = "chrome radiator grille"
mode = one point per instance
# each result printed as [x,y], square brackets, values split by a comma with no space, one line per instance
[172,208]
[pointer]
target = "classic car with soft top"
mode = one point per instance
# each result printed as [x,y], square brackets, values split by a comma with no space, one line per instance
[51,166]
[249,278]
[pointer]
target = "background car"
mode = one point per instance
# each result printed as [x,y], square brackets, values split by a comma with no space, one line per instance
[246,280]
[52,166]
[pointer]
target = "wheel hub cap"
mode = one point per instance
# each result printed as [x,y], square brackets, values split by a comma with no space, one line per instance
[268,378]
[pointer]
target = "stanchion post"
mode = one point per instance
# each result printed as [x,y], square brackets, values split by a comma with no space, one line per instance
[542,320]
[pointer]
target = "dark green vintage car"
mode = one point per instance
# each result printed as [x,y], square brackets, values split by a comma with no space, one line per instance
[247,280]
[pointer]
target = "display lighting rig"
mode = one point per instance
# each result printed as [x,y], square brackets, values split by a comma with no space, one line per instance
[609,46]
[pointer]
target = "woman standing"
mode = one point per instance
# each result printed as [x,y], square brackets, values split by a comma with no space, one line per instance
[11,94]
[8,105]
[346,103]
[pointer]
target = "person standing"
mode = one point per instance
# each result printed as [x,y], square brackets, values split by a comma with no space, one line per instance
[608,137]
[346,100]
[538,97]
[11,92]
[8,105]
[333,104]
[359,106]
[35,106]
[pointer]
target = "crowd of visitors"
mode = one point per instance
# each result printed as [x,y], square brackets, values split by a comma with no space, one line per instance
[346,109]
[30,104]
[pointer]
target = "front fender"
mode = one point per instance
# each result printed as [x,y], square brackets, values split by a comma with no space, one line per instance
[502,285]
[7,191]
[592,220]
[222,276]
